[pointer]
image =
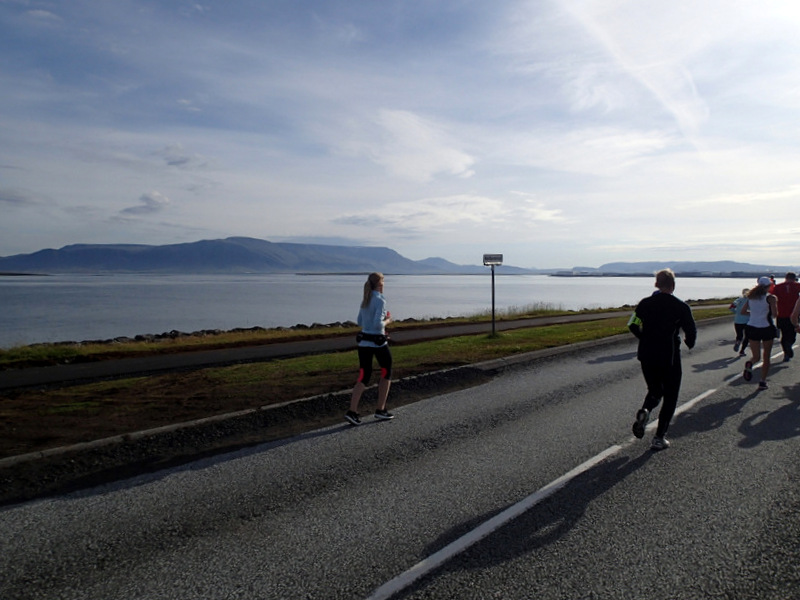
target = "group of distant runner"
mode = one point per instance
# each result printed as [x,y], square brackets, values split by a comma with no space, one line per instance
[782,304]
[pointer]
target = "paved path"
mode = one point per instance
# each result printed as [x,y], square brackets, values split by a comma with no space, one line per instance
[76,373]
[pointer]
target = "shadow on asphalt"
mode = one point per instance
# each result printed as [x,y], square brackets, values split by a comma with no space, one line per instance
[717,365]
[554,517]
[708,416]
[767,425]
[542,525]
[774,425]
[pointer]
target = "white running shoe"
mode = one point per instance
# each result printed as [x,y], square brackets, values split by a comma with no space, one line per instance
[660,443]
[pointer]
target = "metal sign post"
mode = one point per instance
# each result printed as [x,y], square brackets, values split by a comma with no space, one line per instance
[492,260]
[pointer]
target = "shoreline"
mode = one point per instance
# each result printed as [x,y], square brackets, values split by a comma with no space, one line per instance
[175,334]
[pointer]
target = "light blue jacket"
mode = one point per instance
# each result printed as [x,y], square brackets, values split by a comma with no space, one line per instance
[736,307]
[371,319]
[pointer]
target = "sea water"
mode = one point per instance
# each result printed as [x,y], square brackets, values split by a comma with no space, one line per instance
[85,307]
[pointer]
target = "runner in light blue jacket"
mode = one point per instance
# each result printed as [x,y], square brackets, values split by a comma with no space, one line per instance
[372,343]
[739,323]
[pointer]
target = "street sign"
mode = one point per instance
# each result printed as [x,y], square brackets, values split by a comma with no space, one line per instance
[492,260]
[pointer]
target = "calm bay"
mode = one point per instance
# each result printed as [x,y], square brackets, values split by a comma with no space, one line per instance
[55,308]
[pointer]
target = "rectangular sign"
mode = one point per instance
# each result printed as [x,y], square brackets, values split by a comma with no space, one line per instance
[492,259]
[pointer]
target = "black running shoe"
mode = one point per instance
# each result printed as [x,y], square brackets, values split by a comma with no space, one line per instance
[352,418]
[641,421]
[383,415]
[747,375]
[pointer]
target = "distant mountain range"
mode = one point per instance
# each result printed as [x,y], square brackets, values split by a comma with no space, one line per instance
[249,255]
[231,255]
[721,268]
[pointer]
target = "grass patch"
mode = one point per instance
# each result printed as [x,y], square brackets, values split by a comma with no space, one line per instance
[86,406]
[66,353]
[415,358]
[291,378]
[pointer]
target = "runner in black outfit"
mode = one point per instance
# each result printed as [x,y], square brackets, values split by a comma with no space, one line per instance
[657,322]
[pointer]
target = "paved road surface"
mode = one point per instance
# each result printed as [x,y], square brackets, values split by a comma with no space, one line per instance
[392,509]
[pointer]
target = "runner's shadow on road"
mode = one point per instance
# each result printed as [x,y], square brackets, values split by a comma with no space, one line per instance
[716,365]
[775,425]
[707,417]
[544,524]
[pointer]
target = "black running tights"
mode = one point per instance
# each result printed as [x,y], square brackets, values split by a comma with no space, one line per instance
[663,381]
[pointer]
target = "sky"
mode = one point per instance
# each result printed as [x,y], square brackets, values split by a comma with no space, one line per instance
[558,133]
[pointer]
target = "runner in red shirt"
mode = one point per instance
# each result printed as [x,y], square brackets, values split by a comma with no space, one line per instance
[787,294]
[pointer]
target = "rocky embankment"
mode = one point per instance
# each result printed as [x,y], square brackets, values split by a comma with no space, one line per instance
[175,334]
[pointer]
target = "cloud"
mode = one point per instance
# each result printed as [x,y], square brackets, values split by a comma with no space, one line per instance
[151,202]
[429,214]
[659,63]
[175,156]
[18,198]
[189,105]
[408,146]
[344,32]
[606,152]
[778,199]
[434,216]
[44,16]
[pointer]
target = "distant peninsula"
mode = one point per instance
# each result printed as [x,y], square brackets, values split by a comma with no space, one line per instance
[249,255]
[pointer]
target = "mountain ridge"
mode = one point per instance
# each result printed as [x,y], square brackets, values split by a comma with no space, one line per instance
[229,255]
[252,255]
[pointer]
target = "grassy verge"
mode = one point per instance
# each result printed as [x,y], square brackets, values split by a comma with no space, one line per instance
[72,352]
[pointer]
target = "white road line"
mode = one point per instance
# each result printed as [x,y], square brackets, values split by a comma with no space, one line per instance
[402,581]
[425,566]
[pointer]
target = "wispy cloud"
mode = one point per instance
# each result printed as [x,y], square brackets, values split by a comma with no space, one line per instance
[150,203]
[781,200]
[445,214]
[625,31]
[43,17]
[175,155]
[17,198]
[407,145]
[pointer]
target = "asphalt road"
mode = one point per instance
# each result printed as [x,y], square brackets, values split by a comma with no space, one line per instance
[530,486]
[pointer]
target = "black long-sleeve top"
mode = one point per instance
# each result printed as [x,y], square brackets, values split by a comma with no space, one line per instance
[657,322]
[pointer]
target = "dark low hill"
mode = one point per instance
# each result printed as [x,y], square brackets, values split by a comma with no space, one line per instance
[723,268]
[720,266]
[231,255]
[250,255]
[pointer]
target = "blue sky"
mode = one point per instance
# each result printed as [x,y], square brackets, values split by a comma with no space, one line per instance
[559,133]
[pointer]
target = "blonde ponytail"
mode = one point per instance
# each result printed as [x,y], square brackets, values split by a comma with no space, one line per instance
[371,284]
